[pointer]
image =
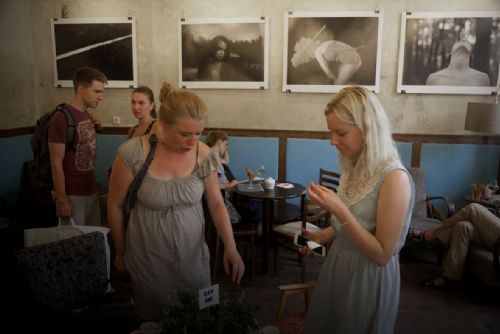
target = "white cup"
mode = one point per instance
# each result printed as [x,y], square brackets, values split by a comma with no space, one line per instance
[269,183]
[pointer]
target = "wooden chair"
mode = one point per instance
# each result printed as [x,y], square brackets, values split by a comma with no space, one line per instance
[244,235]
[327,179]
[293,323]
[283,237]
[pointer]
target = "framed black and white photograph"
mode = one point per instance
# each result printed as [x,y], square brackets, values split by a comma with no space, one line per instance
[449,52]
[107,44]
[230,53]
[326,51]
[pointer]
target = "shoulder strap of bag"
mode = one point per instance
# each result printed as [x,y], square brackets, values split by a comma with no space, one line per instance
[139,177]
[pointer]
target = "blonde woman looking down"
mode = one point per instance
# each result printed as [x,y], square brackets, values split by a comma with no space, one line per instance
[163,247]
[359,282]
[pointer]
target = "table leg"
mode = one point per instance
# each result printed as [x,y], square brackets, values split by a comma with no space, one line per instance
[266,233]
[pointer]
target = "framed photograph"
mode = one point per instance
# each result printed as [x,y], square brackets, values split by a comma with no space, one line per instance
[326,51]
[449,52]
[224,53]
[107,44]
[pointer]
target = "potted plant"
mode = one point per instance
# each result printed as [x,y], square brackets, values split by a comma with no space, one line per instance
[229,316]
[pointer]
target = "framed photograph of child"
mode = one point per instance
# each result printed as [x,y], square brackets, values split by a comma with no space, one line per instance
[107,44]
[326,51]
[449,52]
[231,53]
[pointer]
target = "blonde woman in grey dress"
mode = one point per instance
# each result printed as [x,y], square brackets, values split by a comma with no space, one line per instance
[358,286]
[163,247]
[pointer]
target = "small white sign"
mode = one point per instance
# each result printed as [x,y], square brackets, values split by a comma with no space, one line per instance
[208,296]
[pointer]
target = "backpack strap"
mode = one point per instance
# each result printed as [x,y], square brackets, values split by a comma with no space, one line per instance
[70,134]
[139,177]
[150,127]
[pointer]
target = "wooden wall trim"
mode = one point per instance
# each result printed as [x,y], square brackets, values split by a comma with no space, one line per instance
[285,134]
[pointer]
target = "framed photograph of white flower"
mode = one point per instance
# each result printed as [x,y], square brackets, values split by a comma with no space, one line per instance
[326,51]
[107,44]
[449,52]
[231,53]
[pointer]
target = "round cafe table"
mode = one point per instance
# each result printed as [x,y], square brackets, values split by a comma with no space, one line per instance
[269,197]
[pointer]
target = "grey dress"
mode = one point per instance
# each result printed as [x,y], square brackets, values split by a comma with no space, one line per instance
[165,243]
[353,294]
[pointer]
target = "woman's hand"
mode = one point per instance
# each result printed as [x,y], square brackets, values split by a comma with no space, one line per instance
[314,236]
[231,184]
[120,264]
[64,209]
[233,265]
[325,197]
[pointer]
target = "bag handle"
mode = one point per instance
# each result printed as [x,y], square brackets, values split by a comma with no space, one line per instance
[139,177]
[71,222]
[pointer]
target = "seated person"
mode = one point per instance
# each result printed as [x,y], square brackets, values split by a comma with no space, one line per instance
[218,141]
[474,224]
[249,209]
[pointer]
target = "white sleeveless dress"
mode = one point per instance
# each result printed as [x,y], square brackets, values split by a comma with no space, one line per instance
[353,294]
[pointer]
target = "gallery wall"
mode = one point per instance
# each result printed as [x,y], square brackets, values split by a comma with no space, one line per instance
[26,64]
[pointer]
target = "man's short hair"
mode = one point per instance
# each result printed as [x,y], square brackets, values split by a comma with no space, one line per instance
[86,75]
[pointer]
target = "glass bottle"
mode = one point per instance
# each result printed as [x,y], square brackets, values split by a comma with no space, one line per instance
[261,171]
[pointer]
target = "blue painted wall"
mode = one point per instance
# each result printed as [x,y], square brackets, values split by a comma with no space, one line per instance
[253,152]
[107,145]
[306,156]
[14,152]
[449,168]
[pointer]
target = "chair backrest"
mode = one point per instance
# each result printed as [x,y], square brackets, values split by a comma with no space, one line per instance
[329,179]
[420,209]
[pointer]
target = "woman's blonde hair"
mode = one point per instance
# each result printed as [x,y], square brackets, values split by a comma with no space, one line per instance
[178,103]
[214,136]
[359,106]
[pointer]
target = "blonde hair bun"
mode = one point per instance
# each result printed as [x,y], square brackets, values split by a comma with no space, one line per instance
[165,91]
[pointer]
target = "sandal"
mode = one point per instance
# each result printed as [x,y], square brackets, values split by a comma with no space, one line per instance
[416,235]
[441,282]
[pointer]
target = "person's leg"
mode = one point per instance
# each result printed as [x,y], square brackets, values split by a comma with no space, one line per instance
[444,231]
[486,226]
[78,204]
[92,210]
[86,210]
[460,238]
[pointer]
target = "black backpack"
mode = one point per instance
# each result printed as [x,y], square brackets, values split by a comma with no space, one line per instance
[38,171]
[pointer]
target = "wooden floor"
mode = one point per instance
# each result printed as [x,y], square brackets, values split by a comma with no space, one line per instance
[470,309]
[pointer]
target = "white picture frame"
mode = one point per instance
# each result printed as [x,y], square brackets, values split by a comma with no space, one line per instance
[324,52]
[429,39]
[245,60]
[108,44]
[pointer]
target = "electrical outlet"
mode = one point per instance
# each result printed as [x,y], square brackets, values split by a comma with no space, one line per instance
[116,120]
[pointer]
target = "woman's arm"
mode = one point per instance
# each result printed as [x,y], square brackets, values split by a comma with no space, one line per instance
[119,182]
[392,205]
[233,264]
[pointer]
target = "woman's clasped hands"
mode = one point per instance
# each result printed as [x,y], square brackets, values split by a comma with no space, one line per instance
[325,197]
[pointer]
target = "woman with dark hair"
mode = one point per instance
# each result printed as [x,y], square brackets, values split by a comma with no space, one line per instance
[223,65]
[143,107]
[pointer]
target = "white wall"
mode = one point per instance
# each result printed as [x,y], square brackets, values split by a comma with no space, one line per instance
[27,80]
